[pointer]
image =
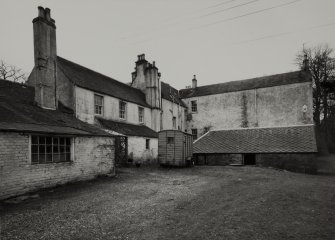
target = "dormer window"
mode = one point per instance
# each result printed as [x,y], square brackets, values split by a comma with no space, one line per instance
[98,104]
[122,110]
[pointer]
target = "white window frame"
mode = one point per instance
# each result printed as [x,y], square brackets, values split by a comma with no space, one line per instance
[100,108]
[195,135]
[123,113]
[194,106]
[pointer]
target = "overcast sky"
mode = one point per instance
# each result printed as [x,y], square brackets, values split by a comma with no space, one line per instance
[218,40]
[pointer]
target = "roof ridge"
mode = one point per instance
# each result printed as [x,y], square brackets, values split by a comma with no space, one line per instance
[241,80]
[271,127]
[110,78]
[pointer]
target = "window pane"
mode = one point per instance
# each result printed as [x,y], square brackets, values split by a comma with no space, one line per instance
[68,157]
[48,158]
[68,141]
[41,148]
[48,140]
[42,158]
[34,139]
[62,157]
[49,149]
[34,158]
[56,148]
[56,158]
[34,148]
[62,149]
[55,140]
[41,140]
[62,141]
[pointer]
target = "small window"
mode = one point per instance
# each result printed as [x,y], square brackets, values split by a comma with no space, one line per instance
[122,109]
[194,106]
[141,114]
[170,140]
[195,133]
[98,105]
[147,143]
[47,149]
[174,123]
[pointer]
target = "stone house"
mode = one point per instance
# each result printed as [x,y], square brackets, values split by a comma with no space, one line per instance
[251,121]
[137,110]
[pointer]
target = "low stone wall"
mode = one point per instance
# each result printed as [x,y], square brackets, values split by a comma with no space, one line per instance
[91,156]
[296,162]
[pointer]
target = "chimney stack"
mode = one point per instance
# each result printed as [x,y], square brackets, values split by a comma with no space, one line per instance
[43,77]
[194,82]
[305,63]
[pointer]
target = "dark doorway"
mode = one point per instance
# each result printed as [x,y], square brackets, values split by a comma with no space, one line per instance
[121,150]
[249,159]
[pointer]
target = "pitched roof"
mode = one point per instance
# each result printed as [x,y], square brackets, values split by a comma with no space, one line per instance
[127,129]
[294,139]
[19,114]
[168,92]
[89,79]
[16,92]
[253,83]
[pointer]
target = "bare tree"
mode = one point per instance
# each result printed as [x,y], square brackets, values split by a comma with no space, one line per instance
[11,72]
[320,61]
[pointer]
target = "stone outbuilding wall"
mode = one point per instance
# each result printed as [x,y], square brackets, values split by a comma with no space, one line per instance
[91,156]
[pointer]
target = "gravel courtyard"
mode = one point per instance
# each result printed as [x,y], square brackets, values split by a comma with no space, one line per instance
[207,202]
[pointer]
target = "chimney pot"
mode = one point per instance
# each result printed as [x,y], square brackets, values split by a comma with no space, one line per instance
[47,14]
[153,63]
[41,12]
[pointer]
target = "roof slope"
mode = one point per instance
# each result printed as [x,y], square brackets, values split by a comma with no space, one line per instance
[253,83]
[18,113]
[294,139]
[21,117]
[89,79]
[171,94]
[128,129]
[16,92]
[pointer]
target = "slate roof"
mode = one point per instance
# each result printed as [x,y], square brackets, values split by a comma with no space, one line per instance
[167,92]
[20,114]
[127,129]
[294,139]
[253,83]
[89,79]
[16,92]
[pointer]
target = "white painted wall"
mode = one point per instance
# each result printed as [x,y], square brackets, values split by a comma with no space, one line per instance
[170,110]
[138,152]
[85,108]
[265,107]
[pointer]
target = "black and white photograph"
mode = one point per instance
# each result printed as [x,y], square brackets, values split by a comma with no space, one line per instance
[167,119]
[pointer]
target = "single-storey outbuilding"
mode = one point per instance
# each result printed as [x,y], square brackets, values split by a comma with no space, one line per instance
[291,148]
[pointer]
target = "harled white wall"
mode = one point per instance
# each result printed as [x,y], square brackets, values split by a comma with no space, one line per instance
[85,108]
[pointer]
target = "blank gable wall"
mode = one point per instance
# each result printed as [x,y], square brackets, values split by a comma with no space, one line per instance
[264,107]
